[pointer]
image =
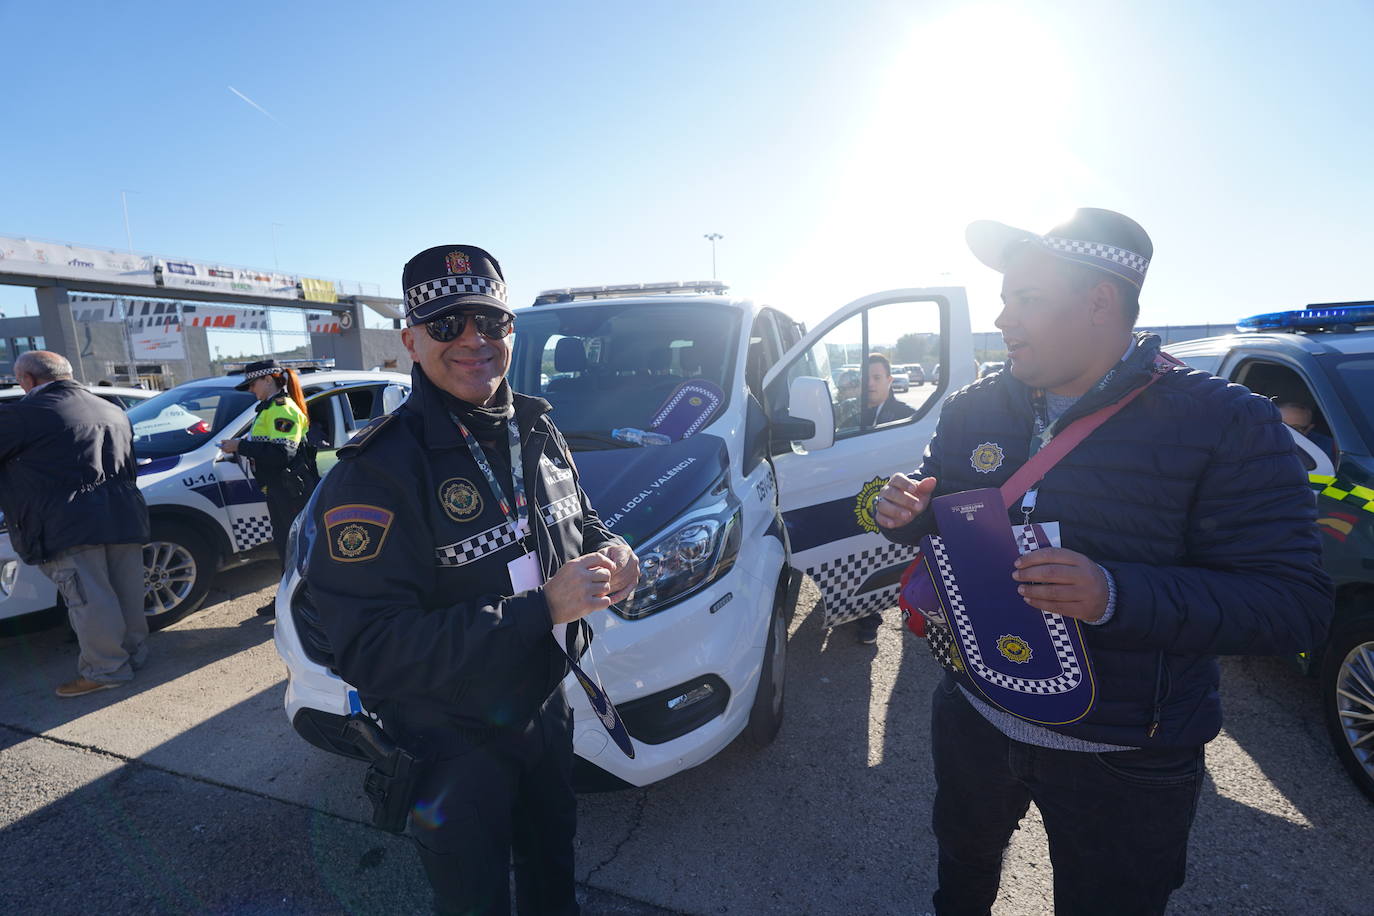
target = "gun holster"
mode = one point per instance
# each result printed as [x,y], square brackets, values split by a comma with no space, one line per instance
[392,777]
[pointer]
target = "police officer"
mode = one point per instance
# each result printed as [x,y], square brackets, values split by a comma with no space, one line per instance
[447,543]
[283,462]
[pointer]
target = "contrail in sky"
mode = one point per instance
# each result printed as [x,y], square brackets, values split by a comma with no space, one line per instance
[254,104]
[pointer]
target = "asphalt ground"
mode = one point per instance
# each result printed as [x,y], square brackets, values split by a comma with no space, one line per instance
[188,792]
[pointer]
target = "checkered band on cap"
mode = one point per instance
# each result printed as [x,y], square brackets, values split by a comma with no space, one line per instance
[259,373]
[423,293]
[1118,260]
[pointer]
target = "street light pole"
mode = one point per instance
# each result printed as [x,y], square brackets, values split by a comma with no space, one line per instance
[711,237]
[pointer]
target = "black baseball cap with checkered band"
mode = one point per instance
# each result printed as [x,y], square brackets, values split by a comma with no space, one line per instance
[1101,239]
[441,280]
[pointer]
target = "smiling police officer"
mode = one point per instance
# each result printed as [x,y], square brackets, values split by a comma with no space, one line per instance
[450,540]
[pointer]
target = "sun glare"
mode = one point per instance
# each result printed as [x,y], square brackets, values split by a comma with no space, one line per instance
[971,121]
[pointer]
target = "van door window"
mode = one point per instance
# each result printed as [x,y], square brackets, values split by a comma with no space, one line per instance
[856,358]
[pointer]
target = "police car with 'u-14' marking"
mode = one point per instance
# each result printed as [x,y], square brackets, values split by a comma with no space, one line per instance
[723,442]
[205,507]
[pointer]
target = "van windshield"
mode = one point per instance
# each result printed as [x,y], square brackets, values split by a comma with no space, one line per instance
[616,365]
[184,418]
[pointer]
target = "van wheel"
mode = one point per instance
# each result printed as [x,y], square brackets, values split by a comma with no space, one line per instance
[177,567]
[1347,681]
[765,717]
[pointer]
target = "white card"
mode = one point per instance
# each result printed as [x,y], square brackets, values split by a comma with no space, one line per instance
[525,573]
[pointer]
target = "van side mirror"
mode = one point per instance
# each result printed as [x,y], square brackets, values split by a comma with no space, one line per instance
[810,417]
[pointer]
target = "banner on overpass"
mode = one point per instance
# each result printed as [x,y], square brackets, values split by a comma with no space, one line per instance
[172,274]
[319,290]
[323,324]
[89,308]
[52,259]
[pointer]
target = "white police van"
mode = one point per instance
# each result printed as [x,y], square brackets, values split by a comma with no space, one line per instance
[205,508]
[770,474]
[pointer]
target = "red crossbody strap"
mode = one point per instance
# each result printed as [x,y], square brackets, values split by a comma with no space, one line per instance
[1033,471]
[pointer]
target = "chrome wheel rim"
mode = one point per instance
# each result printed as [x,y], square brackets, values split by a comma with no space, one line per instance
[1355,703]
[169,574]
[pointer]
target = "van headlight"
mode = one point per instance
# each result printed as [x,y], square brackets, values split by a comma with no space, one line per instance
[693,553]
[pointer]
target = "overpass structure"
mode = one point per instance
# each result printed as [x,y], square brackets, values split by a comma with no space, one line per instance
[56,269]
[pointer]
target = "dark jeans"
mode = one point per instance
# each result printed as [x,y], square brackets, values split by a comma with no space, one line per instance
[1117,822]
[509,797]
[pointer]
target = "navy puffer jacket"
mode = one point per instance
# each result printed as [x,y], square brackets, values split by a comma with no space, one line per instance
[1194,499]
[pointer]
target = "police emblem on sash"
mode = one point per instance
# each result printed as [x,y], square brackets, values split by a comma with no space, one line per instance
[863,505]
[356,532]
[1014,649]
[460,499]
[987,458]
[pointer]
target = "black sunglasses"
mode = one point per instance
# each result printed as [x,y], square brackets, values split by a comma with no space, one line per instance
[451,327]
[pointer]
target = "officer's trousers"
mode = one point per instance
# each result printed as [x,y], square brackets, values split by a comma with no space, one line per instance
[508,798]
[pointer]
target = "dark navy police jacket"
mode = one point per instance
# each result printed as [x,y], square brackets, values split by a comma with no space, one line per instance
[407,570]
[1194,499]
[67,473]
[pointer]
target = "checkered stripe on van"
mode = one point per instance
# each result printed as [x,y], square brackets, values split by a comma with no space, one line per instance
[251,531]
[839,578]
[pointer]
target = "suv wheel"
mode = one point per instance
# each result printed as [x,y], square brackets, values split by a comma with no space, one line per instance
[1348,697]
[177,567]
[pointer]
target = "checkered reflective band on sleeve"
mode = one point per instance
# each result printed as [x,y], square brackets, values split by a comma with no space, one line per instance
[475,547]
[422,293]
[560,509]
[1120,261]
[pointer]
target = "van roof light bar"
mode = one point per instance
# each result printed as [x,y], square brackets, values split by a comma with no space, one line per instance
[625,290]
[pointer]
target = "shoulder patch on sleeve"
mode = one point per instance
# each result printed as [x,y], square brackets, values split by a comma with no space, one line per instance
[284,424]
[356,532]
[364,436]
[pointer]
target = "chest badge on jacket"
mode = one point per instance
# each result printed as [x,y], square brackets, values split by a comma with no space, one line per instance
[460,499]
[987,458]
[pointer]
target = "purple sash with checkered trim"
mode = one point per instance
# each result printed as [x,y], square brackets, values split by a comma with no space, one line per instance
[1027,662]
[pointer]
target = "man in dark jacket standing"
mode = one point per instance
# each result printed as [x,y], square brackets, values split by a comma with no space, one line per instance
[1187,531]
[69,489]
[446,546]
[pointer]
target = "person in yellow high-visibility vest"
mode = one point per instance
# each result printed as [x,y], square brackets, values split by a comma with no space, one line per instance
[283,461]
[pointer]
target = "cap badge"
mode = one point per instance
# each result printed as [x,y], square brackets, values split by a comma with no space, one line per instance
[457,263]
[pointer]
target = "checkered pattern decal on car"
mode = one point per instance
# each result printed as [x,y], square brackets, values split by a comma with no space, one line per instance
[838,578]
[250,531]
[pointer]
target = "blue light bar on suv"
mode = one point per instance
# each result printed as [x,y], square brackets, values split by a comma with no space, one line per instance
[1312,318]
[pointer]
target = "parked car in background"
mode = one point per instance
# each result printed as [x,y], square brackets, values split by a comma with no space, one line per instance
[901,382]
[916,375]
[986,369]
[205,507]
[23,589]
[1322,357]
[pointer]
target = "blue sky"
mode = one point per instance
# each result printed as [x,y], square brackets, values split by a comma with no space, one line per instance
[839,148]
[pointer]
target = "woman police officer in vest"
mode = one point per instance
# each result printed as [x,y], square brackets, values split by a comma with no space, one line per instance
[283,462]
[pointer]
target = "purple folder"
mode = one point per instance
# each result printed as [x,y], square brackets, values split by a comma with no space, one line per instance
[687,409]
[1031,663]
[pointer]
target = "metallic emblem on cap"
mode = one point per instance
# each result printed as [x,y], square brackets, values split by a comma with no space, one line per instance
[457,263]
[987,458]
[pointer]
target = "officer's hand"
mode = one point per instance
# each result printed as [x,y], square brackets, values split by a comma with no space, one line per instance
[1066,583]
[625,576]
[229,446]
[902,500]
[580,586]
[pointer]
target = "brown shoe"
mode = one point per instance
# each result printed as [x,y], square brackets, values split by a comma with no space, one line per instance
[82,686]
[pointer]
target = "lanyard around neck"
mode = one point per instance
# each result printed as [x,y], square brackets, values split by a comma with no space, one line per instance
[518,515]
